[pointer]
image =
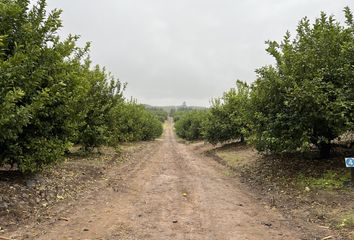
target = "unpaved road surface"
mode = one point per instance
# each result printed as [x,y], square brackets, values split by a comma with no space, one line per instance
[169,192]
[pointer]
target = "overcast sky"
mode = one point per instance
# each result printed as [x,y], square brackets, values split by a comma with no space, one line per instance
[185,50]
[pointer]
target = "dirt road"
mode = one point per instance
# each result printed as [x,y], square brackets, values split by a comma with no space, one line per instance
[169,192]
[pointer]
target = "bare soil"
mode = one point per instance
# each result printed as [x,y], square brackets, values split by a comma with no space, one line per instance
[164,190]
[318,210]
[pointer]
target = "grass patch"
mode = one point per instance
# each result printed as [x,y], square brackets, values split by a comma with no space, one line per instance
[328,180]
[231,158]
[347,221]
[229,173]
[236,155]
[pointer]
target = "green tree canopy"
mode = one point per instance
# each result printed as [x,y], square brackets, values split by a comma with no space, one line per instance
[189,124]
[40,85]
[307,97]
[51,97]
[228,117]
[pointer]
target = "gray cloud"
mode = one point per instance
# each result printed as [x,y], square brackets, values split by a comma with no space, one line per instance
[186,50]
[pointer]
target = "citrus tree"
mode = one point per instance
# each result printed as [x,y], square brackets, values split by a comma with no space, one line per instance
[228,118]
[104,93]
[50,95]
[40,85]
[307,98]
[189,124]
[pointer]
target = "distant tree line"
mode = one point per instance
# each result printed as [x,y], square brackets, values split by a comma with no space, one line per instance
[306,100]
[51,96]
[161,114]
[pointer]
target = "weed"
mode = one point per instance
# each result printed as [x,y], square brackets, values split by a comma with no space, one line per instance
[329,180]
[347,221]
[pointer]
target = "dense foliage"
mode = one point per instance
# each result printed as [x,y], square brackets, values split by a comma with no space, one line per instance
[189,124]
[228,117]
[305,100]
[134,123]
[103,95]
[308,97]
[40,86]
[50,96]
[159,113]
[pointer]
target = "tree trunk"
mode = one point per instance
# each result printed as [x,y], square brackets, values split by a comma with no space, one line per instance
[325,150]
[242,138]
